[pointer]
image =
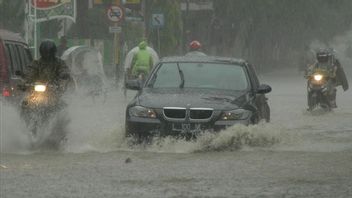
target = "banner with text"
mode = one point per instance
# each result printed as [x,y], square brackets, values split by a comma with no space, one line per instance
[44,10]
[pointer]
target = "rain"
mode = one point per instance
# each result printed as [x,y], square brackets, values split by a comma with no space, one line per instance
[298,153]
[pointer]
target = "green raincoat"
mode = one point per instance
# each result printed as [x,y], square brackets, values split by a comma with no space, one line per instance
[142,60]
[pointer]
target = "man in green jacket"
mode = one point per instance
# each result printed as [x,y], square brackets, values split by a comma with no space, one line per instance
[142,61]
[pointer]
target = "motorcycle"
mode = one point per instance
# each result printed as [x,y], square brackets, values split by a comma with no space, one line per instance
[41,108]
[140,78]
[318,90]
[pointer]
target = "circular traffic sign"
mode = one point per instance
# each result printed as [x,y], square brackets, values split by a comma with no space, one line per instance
[115,13]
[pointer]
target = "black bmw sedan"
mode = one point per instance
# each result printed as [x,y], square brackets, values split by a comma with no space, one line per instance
[184,96]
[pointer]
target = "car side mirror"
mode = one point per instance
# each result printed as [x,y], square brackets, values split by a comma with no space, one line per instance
[133,84]
[263,89]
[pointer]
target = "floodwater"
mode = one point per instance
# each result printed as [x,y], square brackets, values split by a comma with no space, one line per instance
[298,154]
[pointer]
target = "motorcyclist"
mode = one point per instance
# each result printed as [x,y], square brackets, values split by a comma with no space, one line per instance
[38,110]
[48,68]
[142,61]
[195,49]
[326,61]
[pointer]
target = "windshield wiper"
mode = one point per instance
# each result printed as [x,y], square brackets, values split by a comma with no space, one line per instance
[182,84]
[152,80]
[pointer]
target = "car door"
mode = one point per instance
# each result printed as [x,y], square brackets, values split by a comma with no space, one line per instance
[18,57]
[260,99]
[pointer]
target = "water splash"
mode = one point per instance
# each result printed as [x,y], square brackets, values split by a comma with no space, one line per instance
[13,137]
[233,138]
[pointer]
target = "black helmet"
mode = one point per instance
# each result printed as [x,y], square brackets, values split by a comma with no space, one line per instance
[47,50]
[323,55]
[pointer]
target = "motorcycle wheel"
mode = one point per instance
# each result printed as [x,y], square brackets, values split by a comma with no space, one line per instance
[324,102]
[312,101]
[325,107]
[34,136]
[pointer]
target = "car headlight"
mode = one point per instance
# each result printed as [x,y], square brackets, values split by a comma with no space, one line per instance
[139,111]
[318,77]
[238,114]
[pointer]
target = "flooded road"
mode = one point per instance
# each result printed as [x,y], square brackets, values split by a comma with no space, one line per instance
[298,154]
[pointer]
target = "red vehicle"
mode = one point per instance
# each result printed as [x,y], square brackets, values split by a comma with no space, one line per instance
[14,57]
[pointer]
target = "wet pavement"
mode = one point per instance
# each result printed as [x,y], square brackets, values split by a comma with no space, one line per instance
[298,154]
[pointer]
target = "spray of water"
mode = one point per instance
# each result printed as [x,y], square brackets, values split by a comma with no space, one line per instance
[13,138]
[233,138]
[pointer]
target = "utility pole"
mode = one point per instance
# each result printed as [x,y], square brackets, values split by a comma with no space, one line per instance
[185,28]
[35,31]
[145,18]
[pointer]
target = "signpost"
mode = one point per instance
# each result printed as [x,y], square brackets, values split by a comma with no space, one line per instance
[115,29]
[115,14]
[158,22]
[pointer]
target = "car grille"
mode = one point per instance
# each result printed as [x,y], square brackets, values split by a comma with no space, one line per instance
[175,112]
[180,113]
[200,113]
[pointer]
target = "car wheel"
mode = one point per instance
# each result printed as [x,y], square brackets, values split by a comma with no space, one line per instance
[265,112]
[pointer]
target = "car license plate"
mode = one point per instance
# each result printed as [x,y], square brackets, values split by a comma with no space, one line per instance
[186,127]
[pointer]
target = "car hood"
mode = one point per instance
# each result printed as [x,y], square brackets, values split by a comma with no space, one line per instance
[192,98]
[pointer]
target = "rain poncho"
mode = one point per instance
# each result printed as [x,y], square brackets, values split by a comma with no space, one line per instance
[339,75]
[46,71]
[134,51]
[142,60]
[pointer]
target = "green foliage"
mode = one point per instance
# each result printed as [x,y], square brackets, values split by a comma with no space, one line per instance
[132,33]
[171,33]
[93,24]
[266,31]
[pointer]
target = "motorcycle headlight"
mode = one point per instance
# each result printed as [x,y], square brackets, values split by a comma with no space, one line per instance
[238,114]
[139,111]
[39,88]
[318,77]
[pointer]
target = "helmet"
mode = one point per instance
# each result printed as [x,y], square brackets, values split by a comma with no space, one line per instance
[323,55]
[142,45]
[47,50]
[195,45]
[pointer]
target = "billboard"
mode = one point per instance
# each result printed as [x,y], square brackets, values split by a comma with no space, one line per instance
[44,10]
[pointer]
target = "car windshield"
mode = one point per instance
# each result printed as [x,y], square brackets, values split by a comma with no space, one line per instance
[200,75]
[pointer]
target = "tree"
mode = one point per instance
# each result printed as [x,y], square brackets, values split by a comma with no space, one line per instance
[267,32]
[171,33]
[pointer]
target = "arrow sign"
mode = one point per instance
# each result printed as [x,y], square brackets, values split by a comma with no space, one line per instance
[158,20]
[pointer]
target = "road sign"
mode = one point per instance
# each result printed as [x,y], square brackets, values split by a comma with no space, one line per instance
[134,18]
[131,1]
[115,13]
[157,20]
[115,29]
